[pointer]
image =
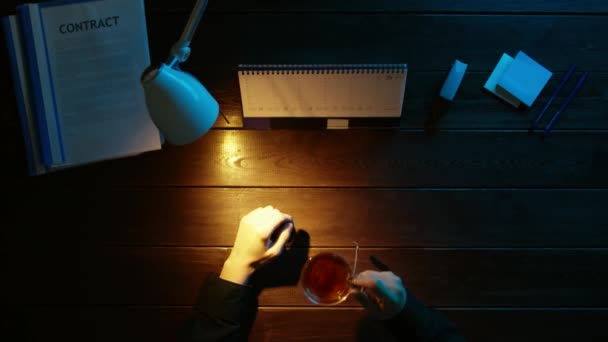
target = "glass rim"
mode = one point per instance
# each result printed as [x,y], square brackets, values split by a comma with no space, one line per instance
[309,294]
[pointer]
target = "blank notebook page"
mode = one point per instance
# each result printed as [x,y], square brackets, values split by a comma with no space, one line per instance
[322,91]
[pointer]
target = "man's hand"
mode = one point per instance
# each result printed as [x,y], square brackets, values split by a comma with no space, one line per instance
[254,243]
[381,293]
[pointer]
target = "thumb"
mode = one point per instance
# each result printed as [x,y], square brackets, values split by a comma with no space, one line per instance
[276,249]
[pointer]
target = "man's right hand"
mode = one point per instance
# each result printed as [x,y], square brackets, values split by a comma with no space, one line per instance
[253,245]
[381,293]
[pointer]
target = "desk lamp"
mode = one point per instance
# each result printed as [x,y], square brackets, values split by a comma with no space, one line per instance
[179,105]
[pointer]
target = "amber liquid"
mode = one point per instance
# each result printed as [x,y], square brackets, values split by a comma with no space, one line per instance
[325,279]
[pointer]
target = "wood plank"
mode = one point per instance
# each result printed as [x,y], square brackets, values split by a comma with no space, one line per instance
[94,324]
[475,324]
[473,108]
[192,196]
[86,275]
[357,158]
[374,217]
[444,6]
[287,324]
[556,41]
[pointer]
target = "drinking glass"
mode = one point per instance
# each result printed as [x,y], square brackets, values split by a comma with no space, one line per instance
[326,279]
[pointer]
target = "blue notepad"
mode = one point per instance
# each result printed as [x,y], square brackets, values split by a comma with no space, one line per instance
[499,70]
[524,78]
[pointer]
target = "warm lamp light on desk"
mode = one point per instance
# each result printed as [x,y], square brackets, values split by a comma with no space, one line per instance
[179,105]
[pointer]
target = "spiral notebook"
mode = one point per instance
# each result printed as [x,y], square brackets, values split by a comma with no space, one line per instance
[322,90]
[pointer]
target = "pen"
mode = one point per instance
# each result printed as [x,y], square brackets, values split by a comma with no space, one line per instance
[379,264]
[553,96]
[580,82]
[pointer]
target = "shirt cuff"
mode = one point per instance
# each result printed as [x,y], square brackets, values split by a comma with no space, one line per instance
[412,321]
[223,299]
[413,308]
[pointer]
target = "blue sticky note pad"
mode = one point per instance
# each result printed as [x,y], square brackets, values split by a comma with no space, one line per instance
[496,75]
[524,78]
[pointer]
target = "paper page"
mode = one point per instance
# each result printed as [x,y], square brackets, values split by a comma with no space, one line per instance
[359,91]
[96,52]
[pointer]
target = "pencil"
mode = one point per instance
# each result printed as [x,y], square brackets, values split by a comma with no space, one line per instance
[579,84]
[553,96]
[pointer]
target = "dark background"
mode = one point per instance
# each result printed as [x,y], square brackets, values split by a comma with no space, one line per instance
[504,232]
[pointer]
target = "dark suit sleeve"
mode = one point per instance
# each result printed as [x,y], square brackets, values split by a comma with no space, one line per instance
[416,322]
[224,311]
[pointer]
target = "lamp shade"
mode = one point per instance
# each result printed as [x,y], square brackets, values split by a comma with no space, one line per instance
[179,105]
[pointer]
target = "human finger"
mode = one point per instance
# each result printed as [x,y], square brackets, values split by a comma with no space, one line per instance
[253,212]
[368,280]
[262,212]
[365,279]
[374,282]
[272,221]
[277,247]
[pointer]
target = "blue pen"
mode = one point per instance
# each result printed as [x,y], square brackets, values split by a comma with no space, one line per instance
[580,82]
[553,96]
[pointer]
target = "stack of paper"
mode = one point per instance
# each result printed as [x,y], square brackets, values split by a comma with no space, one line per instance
[518,80]
[76,68]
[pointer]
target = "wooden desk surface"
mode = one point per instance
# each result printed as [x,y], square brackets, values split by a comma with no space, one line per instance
[504,232]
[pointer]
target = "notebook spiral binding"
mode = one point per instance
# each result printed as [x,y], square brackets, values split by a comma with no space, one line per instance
[315,69]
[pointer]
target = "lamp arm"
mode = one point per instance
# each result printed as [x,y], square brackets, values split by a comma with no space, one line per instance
[180,51]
